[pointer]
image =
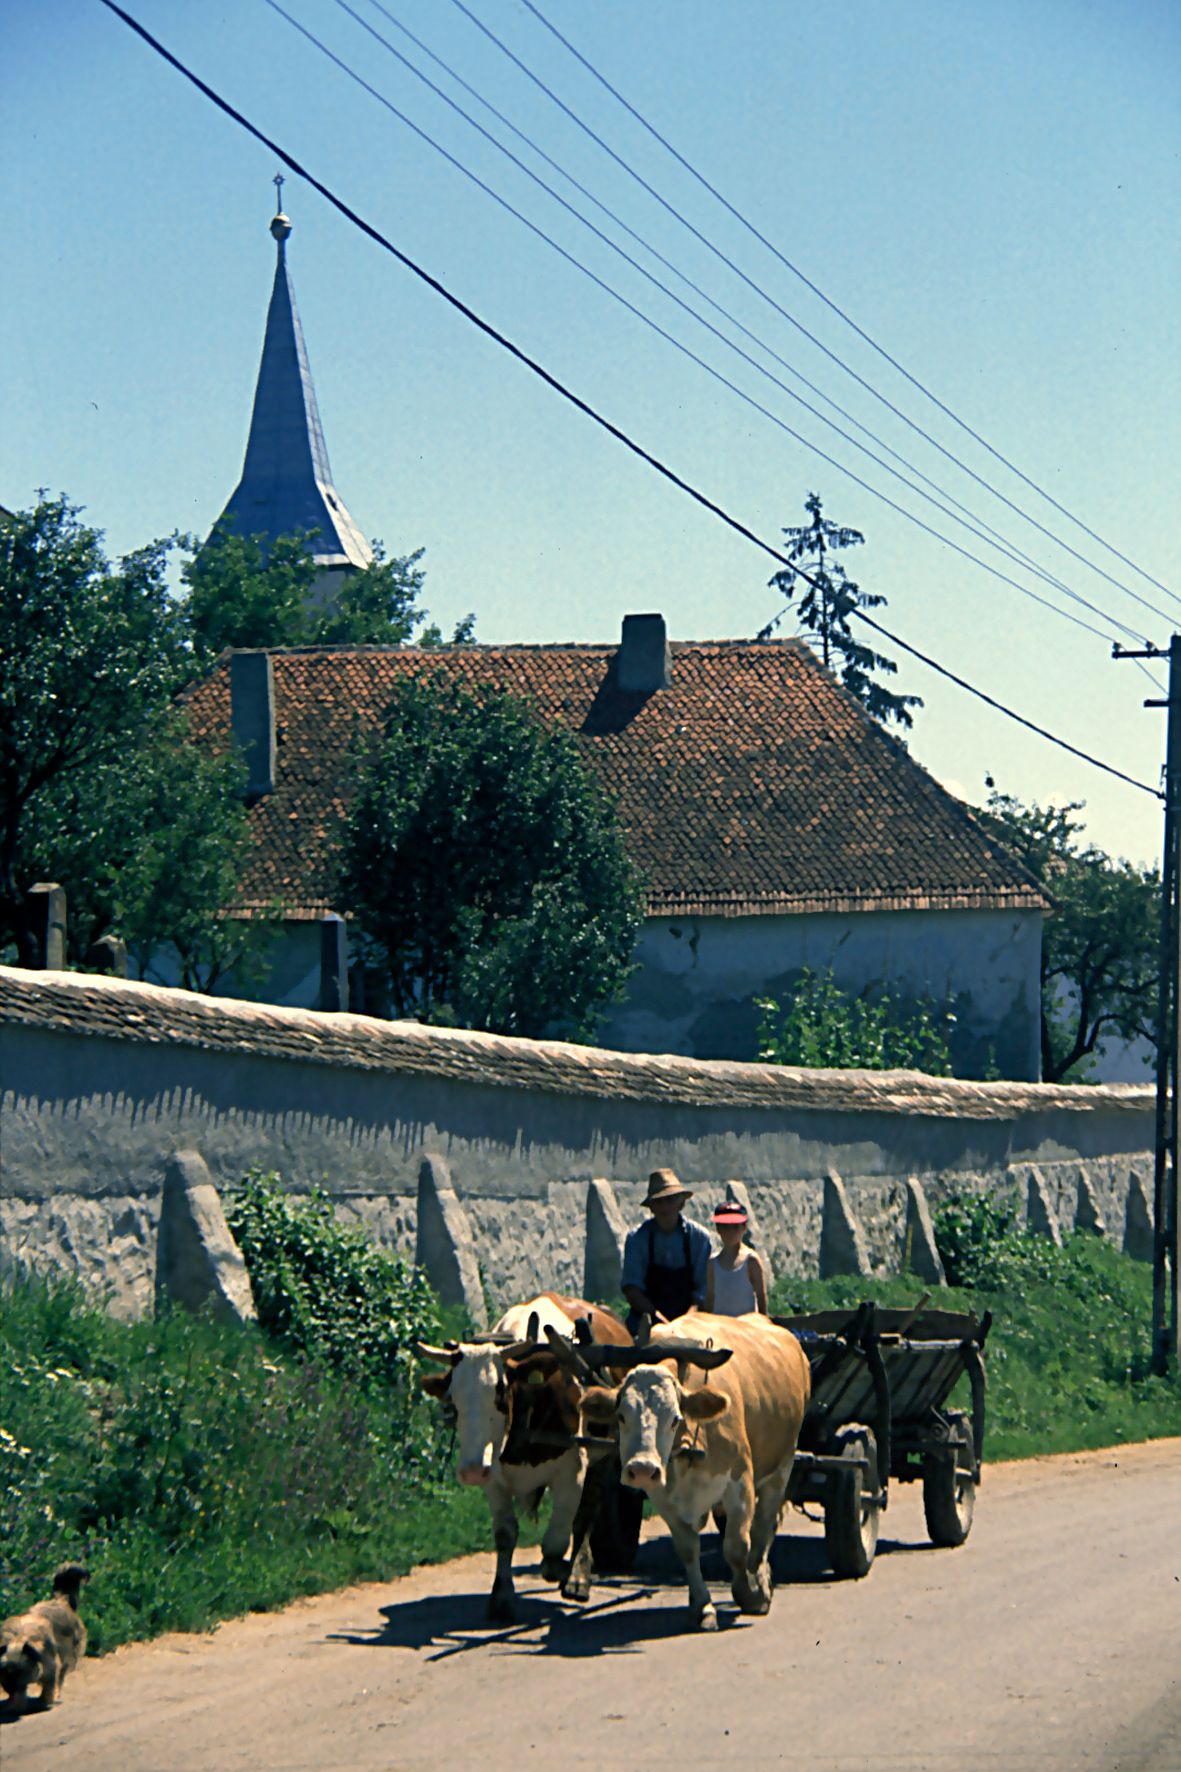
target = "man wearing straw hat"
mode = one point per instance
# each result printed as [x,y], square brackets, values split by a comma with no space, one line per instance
[665,1260]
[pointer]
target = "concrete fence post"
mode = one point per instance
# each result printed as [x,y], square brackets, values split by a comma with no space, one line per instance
[920,1252]
[47,917]
[842,1242]
[1087,1213]
[197,1258]
[606,1229]
[1040,1216]
[443,1246]
[1139,1242]
[334,963]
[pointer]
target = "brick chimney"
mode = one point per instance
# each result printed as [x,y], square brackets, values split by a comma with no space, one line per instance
[643,663]
[252,719]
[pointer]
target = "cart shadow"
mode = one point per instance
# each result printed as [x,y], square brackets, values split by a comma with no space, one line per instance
[802,1561]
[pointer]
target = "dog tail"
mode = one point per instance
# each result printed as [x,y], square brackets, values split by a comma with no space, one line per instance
[68,1582]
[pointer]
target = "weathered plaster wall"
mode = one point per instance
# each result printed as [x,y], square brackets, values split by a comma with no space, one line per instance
[101,1082]
[699,976]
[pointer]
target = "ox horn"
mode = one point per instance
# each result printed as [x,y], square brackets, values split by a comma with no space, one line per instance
[422,1350]
[572,1358]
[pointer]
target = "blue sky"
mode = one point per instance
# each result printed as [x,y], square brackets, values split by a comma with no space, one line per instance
[989,190]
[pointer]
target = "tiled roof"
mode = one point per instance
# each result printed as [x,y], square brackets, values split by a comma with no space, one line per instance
[752,784]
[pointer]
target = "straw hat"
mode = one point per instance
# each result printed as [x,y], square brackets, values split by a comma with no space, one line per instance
[663,1184]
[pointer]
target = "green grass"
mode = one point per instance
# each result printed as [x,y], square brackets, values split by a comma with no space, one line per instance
[1067,1355]
[203,1471]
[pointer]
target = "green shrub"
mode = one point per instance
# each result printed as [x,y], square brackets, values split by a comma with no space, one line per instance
[324,1289]
[824,1027]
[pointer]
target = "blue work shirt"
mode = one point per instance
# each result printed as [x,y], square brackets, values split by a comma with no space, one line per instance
[667,1251]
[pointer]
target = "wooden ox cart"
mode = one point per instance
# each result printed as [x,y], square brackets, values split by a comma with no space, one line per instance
[881,1380]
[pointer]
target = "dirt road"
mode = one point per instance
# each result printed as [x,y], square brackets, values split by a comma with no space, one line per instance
[1051,1640]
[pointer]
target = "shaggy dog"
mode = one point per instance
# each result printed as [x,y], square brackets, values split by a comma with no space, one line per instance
[44,1644]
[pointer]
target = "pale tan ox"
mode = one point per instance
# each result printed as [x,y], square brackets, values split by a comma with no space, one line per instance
[722,1440]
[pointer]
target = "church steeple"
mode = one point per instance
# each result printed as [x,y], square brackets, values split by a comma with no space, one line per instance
[286,482]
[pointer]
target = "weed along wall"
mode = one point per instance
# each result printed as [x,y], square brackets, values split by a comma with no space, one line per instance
[508,1164]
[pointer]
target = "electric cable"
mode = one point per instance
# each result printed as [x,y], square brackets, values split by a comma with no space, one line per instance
[559,387]
[972,521]
[838,311]
[686,351]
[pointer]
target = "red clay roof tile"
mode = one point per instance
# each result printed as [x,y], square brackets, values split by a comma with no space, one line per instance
[753,784]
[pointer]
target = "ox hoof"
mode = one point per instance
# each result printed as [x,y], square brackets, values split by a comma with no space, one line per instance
[707,1619]
[502,1609]
[554,1568]
[578,1591]
[752,1597]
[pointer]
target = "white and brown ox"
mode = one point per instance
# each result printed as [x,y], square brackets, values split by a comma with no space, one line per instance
[506,1397]
[724,1440]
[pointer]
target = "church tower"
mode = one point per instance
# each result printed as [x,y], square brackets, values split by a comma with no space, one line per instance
[286,483]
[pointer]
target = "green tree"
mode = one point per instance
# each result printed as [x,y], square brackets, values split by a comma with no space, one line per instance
[1100,945]
[829,599]
[242,591]
[90,655]
[821,1025]
[151,845]
[101,790]
[484,868]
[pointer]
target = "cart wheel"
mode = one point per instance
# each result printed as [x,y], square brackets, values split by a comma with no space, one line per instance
[851,1506]
[949,1487]
[615,1535]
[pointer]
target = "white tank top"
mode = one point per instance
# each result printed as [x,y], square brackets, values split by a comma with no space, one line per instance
[734,1295]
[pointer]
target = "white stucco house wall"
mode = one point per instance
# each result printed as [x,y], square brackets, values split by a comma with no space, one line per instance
[776,826]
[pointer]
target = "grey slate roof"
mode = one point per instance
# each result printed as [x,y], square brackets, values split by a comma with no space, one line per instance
[286,482]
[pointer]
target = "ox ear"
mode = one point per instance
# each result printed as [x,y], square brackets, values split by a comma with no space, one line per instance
[703,1405]
[436,1384]
[598,1405]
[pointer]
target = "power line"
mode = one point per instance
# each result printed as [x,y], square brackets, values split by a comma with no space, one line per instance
[560,387]
[849,321]
[679,345]
[968,519]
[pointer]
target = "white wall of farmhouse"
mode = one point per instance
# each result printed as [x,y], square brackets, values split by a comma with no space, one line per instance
[698,977]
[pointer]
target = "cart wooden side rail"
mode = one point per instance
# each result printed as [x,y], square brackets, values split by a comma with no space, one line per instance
[881,1379]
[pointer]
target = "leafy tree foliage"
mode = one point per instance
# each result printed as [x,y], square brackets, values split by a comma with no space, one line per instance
[151,845]
[829,598]
[484,867]
[90,655]
[243,592]
[1100,945]
[825,1027]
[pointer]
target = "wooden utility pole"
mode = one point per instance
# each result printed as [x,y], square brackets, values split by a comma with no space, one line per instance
[1168,1029]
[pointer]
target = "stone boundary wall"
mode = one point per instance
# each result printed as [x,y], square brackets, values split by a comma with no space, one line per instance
[518,1161]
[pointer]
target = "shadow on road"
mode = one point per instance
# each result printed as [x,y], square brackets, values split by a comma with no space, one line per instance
[624,1612]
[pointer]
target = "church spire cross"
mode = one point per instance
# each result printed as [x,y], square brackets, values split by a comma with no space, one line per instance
[280,224]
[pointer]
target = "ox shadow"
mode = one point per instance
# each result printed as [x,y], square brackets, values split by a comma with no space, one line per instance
[623,1614]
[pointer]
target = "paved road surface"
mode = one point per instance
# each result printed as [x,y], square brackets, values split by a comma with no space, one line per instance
[1052,1640]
